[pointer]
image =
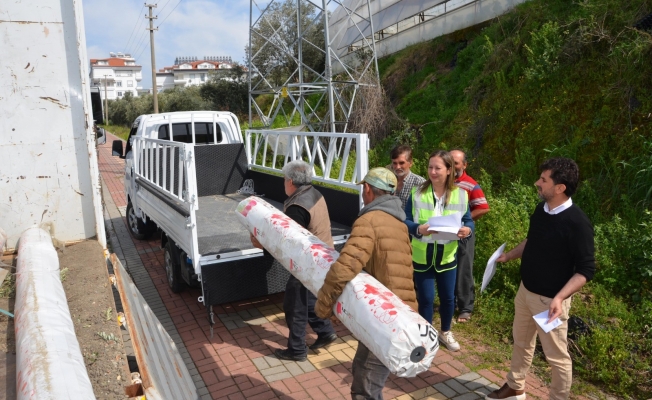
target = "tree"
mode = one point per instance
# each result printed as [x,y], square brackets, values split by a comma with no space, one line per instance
[227,90]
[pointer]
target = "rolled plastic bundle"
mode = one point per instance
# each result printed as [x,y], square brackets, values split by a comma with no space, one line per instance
[401,339]
[49,362]
[3,240]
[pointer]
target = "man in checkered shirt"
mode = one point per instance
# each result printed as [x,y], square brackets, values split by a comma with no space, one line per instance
[401,164]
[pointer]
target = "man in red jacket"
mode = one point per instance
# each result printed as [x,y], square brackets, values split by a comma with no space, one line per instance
[465,287]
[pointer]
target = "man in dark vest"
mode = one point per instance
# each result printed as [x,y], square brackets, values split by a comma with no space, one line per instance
[306,206]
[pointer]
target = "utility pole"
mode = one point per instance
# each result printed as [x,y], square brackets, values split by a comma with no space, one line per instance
[151,46]
[106,104]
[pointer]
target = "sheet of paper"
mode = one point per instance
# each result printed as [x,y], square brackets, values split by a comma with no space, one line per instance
[541,319]
[491,267]
[446,226]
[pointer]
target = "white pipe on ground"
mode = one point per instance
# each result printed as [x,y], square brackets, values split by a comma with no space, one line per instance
[49,362]
[3,240]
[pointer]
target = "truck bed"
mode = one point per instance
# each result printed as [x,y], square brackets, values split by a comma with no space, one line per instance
[218,229]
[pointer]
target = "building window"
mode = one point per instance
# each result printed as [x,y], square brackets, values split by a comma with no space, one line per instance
[130,83]
[119,94]
[203,77]
[118,83]
[192,76]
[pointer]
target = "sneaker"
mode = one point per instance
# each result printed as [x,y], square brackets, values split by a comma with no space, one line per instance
[323,341]
[506,393]
[286,354]
[447,339]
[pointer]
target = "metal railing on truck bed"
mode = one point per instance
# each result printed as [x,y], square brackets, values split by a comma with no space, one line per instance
[167,170]
[328,153]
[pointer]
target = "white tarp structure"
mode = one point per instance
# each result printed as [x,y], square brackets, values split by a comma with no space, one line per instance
[396,334]
[49,174]
[49,362]
[401,23]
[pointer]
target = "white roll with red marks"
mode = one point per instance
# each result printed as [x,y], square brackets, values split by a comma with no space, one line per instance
[402,340]
[49,362]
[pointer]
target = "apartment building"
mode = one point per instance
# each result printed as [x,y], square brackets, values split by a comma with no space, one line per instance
[190,71]
[120,73]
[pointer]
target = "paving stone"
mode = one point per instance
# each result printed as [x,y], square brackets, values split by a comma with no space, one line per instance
[467,396]
[445,390]
[483,391]
[306,366]
[294,369]
[457,386]
[273,370]
[473,385]
[272,361]
[469,376]
[260,363]
[278,377]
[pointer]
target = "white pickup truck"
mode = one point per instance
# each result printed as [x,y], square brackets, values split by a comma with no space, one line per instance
[187,171]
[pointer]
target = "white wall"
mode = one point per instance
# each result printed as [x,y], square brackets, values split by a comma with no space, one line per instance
[48,161]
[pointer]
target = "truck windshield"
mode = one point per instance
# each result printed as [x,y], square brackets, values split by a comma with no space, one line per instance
[182,132]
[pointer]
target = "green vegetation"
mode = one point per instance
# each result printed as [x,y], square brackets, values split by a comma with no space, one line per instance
[551,78]
[119,130]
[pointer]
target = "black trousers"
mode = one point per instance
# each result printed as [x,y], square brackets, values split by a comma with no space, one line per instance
[299,307]
[465,288]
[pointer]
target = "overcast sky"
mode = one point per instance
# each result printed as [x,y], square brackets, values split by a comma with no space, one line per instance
[194,28]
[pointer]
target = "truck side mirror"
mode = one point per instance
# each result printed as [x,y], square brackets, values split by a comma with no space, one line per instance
[101,136]
[116,148]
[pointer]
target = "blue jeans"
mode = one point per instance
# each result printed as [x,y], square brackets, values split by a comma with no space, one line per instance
[425,285]
[369,375]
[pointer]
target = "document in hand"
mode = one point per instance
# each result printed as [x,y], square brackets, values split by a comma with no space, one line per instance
[491,267]
[446,226]
[542,319]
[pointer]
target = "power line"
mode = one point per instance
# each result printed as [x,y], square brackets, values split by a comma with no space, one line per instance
[134,29]
[163,8]
[141,38]
[175,7]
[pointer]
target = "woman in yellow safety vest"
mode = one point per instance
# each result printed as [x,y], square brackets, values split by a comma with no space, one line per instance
[435,256]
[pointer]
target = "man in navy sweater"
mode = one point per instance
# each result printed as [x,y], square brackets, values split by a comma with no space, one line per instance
[557,259]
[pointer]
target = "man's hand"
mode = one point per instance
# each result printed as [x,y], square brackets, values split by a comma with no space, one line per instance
[423,230]
[555,309]
[502,258]
[255,242]
[464,231]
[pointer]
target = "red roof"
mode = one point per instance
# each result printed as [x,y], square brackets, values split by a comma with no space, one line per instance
[112,62]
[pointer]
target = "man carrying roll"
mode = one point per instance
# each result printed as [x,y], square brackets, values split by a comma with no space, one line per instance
[380,245]
[306,206]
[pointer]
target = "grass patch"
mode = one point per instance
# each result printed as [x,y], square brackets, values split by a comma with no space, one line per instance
[120,131]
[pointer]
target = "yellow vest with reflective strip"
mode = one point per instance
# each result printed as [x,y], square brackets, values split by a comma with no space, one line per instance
[423,207]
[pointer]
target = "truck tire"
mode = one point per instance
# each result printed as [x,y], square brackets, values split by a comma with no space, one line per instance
[139,230]
[172,267]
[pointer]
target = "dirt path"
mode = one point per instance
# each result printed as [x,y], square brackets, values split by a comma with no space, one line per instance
[93,310]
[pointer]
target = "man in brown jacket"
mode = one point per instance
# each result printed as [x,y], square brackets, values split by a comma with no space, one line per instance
[379,244]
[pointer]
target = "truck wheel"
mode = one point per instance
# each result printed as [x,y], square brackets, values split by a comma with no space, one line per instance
[139,230]
[172,267]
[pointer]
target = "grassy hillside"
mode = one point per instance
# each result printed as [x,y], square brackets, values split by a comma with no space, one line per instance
[551,78]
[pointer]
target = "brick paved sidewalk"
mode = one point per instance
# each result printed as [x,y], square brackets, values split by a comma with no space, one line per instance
[237,363]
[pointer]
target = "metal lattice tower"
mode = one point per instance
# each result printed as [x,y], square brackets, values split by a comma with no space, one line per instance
[286,37]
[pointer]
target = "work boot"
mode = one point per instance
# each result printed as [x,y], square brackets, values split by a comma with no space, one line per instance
[286,354]
[506,393]
[323,341]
